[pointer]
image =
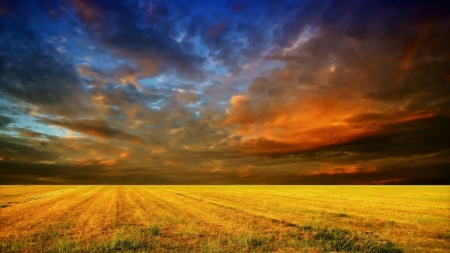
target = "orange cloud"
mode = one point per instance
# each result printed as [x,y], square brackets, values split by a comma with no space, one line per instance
[389,181]
[82,161]
[128,75]
[240,112]
[159,151]
[173,163]
[108,162]
[342,169]
[303,123]
[125,154]
[246,171]
[303,107]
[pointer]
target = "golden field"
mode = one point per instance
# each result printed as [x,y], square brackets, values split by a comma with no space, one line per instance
[379,219]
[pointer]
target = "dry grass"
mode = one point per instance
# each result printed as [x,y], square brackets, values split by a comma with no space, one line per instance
[378,219]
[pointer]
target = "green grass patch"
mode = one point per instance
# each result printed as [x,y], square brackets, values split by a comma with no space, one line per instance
[126,245]
[306,228]
[341,240]
[153,231]
[255,242]
[15,245]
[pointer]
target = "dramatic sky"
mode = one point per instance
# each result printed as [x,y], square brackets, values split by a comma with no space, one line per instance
[225,92]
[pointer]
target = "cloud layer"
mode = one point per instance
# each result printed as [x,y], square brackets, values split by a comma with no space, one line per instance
[179,92]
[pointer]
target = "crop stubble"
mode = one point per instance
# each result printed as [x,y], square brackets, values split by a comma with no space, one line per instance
[223,218]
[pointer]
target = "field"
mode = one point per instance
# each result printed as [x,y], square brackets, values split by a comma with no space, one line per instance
[379,219]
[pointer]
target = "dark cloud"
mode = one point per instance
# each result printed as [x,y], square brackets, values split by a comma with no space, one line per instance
[416,137]
[390,20]
[157,10]
[125,29]
[357,89]
[326,88]
[34,72]
[96,128]
[423,83]
[234,36]
[399,175]
[4,121]
[22,152]
[32,173]
[29,8]
[32,134]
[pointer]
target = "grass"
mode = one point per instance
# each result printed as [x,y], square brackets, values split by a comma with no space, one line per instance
[225,219]
[444,235]
[153,231]
[340,240]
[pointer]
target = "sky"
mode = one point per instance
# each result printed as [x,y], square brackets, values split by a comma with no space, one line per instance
[225,92]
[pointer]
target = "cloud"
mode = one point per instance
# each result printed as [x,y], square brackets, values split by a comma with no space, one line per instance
[40,76]
[96,128]
[217,28]
[412,138]
[126,31]
[330,93]
[167,92]
[21,152]
[5,120]
[32,173]
[246,171]
[159,151]
[27,133]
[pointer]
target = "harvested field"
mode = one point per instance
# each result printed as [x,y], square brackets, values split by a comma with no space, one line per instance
[225,219]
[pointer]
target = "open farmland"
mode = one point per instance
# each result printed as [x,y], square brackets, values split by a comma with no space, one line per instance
[225,218]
